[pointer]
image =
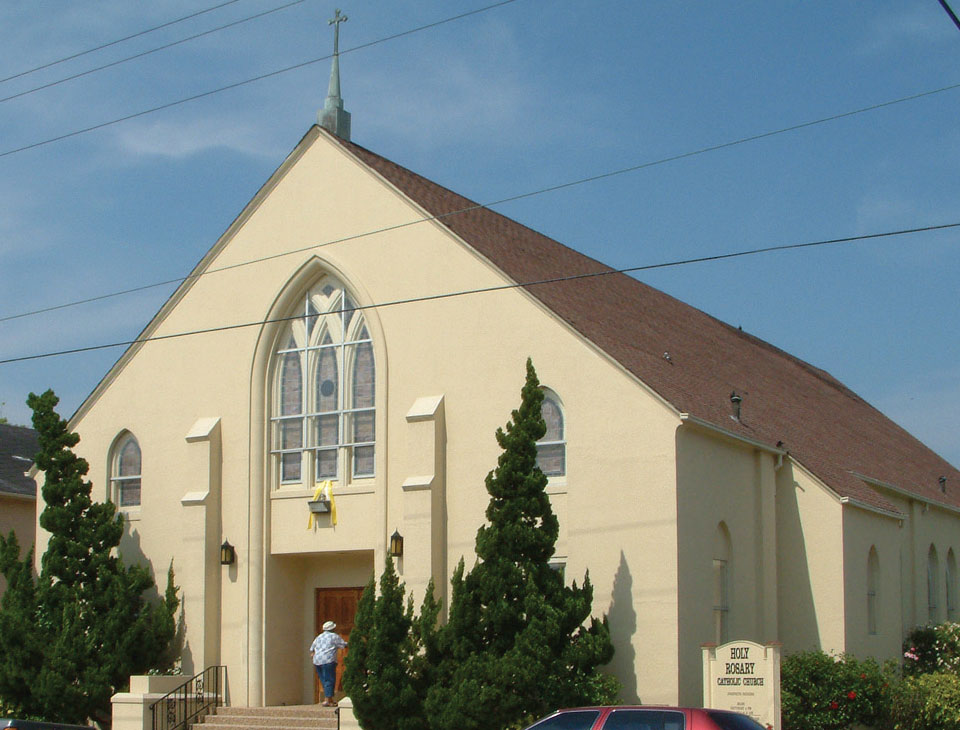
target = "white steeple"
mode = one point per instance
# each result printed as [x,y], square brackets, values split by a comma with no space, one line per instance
[333,117]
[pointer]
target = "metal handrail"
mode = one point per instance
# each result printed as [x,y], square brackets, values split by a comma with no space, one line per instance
[191,701]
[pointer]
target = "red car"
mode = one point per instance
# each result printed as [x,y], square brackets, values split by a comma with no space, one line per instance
[645,717]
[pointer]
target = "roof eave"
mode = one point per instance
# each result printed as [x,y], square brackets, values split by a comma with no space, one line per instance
[880,484]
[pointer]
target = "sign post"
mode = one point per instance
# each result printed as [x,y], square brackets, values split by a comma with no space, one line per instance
[744,677]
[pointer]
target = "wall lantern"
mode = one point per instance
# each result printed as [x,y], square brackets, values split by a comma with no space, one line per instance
[396,545]
[228,555]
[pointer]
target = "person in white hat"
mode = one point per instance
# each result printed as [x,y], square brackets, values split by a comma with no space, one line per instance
[324,650]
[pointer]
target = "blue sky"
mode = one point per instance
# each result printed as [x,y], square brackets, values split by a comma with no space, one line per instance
[509,101]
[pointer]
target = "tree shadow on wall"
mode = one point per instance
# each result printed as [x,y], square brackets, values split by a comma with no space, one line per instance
[178,653]
[623,626]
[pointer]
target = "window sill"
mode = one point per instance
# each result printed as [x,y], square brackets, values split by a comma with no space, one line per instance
[557,485]
[130,514]
[366,486]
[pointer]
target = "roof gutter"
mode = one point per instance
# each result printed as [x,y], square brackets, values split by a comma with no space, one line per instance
[713,428]
[874,482]
[853,502]
[17,496]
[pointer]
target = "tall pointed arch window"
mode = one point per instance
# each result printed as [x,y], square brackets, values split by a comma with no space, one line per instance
[552,448]
[873,583]
[323,416]
[951,576]
[125,472]
[722,549]
[933,584]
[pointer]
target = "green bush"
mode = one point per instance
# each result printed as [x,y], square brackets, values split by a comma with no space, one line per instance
[823,692]
[932,649]
[926,702]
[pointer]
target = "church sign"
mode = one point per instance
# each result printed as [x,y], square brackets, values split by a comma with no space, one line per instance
[744,677]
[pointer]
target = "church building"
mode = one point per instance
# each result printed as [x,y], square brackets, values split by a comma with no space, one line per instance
[361,332]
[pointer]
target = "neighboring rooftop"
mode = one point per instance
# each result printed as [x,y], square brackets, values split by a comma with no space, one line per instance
[696,362]
[18,447]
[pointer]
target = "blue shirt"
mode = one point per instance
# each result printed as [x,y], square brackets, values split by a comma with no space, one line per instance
[325,647]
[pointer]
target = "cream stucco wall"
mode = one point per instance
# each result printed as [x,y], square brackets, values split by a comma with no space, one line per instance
[616,501]
[810,562]
[17,515]
[721,480]
[863,530]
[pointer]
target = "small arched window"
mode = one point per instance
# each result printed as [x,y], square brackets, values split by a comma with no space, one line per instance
[324,406]
[873,584]
[933,584]
[721,584]
[951,576]
[552,448]
[125,472]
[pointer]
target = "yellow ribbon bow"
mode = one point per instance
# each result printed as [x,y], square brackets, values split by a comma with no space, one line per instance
[318,493]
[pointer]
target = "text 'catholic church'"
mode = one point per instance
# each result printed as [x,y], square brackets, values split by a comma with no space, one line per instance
[714,486]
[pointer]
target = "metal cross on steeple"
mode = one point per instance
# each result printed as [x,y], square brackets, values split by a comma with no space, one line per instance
[333,117]
[335,22]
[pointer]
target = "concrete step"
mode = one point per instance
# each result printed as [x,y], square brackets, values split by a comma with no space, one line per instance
[280,710]
[266,723]
[305,720]
[285,717]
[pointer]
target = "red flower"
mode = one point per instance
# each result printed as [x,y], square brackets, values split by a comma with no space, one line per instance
[851,695]
[863,676]
[834,705]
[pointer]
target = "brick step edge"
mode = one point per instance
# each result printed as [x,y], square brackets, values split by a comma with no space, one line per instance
[267,723]
[278,711]
[292,720]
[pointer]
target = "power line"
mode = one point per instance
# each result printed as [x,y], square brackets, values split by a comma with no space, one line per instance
[501,287]
[512,198]
[119,40]
[953,15]
[261,77]
[148,52]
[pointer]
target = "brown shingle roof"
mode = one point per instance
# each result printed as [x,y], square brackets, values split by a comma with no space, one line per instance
[18,447]
[824,425]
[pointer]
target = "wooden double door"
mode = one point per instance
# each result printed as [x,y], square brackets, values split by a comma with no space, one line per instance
[340,606]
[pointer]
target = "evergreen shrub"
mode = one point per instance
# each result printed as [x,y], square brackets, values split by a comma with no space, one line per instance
[71,636]
[823,692]
[926,702]
[932,649]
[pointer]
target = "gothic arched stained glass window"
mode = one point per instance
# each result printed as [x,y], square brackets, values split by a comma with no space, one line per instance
[324,408]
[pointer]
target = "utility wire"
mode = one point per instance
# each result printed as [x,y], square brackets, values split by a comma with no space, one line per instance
[953,15]
[521,196]
[501,287]
[261,77]
[119,40]
[148,52]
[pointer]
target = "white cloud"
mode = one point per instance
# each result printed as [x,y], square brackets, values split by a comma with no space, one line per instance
[453,95]
[928,411]
[182,138]
[911,26]
[878,212]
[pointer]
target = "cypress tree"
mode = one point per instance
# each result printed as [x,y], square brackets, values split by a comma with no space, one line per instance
[387,665]
[83,626]
[516,645]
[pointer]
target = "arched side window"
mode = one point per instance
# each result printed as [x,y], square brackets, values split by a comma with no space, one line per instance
[552,448]
[125,472]
[873,586]
[323,416]
[722,549]
[951,576]
[933,584]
